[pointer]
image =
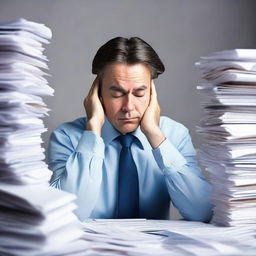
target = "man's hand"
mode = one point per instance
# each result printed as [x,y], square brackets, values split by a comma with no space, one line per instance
[150,121]
[94,109]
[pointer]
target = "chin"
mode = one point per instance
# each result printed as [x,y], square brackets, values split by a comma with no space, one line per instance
[127,128]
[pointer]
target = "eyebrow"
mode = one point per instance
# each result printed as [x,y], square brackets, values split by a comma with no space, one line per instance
[120,89]
[143,87]
[117,89]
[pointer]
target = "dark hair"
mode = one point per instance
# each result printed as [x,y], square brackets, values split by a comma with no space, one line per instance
[129,51]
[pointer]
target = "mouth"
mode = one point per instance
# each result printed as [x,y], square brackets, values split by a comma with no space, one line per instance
[131,119]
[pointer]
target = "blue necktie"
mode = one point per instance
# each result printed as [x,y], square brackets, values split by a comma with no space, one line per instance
[128,183]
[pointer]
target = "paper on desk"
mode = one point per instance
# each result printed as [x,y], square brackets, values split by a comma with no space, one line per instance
[21,24]
[216,91]
[43,199]
[235,54]
[36,217]
[22,84]
[236,130]
[11,57]
[156,237]
[27,46]
[228,128]
[213,66]
[228,117]
[234,76]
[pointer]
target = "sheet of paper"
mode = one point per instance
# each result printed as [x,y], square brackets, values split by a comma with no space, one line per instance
[228,128]
[234,54]
[160,237]
[35,219]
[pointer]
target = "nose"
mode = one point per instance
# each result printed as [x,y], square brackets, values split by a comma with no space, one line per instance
[128,104]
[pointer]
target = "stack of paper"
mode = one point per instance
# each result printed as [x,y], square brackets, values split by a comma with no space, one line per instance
[229,130]
[22,84]
[35,219]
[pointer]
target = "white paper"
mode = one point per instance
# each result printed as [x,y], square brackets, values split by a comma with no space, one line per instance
[228,129]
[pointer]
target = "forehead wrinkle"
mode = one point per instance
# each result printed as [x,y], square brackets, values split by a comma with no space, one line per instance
[127,76]
[128,73]
[123,80]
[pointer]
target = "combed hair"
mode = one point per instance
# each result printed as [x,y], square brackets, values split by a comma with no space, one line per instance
[128,51]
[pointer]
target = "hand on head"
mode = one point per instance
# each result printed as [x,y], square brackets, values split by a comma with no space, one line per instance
[150,120]
[94,109]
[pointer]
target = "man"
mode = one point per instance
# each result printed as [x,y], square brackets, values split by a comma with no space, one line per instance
[113,178]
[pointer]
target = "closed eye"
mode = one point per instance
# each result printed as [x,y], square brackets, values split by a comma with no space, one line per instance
[117,92]
[139,94]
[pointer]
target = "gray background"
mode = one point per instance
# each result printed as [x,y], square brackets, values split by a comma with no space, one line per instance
[179,30]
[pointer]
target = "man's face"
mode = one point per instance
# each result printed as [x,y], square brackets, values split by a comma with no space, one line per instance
[125,94]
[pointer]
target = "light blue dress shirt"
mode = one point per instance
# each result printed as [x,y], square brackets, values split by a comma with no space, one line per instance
[86,164]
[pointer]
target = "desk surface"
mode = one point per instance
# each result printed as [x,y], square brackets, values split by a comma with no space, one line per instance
[161,237]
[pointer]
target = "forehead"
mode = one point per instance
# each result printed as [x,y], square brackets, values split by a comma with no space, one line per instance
[122,74]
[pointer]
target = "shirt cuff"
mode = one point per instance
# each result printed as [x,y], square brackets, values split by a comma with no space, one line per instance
[167,156]
[91,143]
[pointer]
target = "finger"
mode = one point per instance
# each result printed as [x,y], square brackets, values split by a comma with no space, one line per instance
[94,84]
[153,96]
[153,90]
[95,87]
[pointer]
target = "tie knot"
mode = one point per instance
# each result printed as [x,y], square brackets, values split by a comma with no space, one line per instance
[126,140]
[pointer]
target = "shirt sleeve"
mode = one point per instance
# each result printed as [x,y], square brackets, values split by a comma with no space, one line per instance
[189,190]
[77,170]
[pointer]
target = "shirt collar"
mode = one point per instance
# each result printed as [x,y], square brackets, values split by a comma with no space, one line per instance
[109,133]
